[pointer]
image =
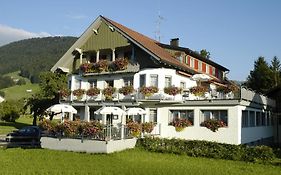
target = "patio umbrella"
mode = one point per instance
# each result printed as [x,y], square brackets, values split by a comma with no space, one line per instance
[57,108]
[201,77]
[110,110]
[135,111]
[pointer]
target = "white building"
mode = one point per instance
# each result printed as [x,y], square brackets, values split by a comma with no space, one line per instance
[98,60]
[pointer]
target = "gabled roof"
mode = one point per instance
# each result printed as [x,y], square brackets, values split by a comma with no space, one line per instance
[153,47]
[149,45]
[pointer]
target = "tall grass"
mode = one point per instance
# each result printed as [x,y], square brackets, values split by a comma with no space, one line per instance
[136,161]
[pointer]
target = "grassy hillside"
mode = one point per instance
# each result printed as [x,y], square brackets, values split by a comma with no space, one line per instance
[23,91]
[32,56]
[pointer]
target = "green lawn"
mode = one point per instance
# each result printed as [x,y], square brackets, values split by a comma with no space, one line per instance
[17,92]
[6,127]
[136,161]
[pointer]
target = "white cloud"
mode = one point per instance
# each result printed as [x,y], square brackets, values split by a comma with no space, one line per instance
[9,34]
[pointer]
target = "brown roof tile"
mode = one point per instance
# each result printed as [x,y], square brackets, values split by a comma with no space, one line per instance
[150,45]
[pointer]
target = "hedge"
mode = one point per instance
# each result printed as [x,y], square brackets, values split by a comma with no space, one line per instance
[207,149]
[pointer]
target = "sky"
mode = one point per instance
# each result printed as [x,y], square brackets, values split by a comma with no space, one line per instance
[235,32]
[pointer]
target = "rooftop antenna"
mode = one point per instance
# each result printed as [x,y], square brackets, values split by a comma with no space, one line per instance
[158,27]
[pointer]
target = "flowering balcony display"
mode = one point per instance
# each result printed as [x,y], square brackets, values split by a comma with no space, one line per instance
[148,91]
[105,66]
[199,90]
[64,93]
[108,92]
[172,90]
[78,93]
[213,124]
[93,91]
[227,89]
[126,90]
[121,63]
[180,124]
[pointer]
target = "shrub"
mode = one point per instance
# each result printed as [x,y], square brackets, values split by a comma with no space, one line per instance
[2,93]
[147,127]
[207,149]
[10,111]
[228,88]
[148,91]
[172,90]
[213,124]
[126,90]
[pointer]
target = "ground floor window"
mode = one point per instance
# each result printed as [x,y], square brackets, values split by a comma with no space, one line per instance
[255,118]
[153,115]
[186,114]
[214,114]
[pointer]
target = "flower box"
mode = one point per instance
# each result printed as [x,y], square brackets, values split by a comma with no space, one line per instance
[148,91]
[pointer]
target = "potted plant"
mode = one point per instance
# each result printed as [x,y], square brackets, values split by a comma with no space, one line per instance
[199,90]
[94,91]
[148,91]
[126,90]
[108,92]
[102,65]
[181,123]
[78,93]
[134,128]
[64,93]
[172,90]
[147,127]
[121,63]
[213,124]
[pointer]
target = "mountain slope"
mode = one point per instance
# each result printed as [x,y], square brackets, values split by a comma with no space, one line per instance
[31,56]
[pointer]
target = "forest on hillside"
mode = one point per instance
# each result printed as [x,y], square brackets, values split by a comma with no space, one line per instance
[32,56]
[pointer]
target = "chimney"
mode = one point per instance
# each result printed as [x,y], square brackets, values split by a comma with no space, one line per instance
[174,42]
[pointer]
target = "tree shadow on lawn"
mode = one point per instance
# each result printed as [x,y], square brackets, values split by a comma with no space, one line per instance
[17,125]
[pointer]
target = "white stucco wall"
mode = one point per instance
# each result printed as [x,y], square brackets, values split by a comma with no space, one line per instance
[252,134]
[162,72]
[228,134]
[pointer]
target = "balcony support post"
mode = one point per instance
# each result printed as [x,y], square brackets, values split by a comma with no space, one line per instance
[98,56]
[113,54]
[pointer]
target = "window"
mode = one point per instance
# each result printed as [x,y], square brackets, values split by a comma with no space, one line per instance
[128,81]
[252,119]
[214,114]
[263,119]
[196,64]
[92,83]
[142,80]
[182,85]
[203,67]
[69,84]
[245,119]
[258,119]
[214,71]
[153,115]
[207,69]
[154,80]
[191,62]
[200,66]
[168,81]
[186,114]
[78,84]
[109,83]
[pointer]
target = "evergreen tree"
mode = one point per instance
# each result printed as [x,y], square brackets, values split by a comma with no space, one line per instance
[275,68]
[205,53]
[260,79]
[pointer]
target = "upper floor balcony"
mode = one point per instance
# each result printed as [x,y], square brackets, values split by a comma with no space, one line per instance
[166,95]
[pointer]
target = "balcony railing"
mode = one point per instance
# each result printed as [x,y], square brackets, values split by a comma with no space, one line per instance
[186,95]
